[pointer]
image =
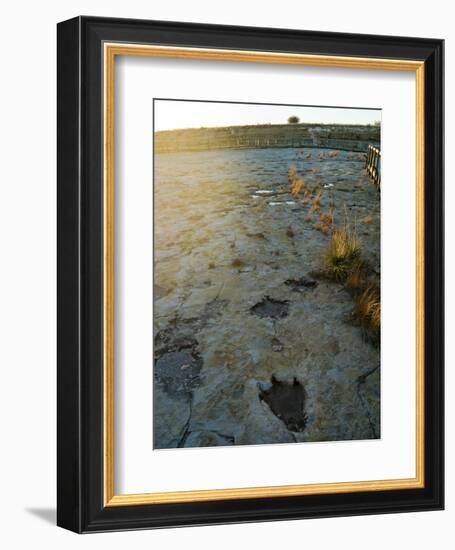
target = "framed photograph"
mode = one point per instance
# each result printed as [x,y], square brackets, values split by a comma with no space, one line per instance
[250,274]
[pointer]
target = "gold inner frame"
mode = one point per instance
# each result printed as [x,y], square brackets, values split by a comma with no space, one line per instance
[111,50]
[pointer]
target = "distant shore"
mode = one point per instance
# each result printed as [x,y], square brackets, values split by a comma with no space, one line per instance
[332,136]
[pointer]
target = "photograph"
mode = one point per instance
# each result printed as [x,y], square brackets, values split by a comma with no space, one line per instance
[250,282]
[224,275]
[267,273]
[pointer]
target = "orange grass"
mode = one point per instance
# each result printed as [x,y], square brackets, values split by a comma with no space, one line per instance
[296,186]
[367,312]
[343,252]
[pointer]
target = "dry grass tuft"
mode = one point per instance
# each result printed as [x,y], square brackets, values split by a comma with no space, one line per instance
[357,278]
[367,312]
[296,186]
[354,280]
[325,223]
[326,218]
[344,264]
[321,227]
[296,183]
[342,254]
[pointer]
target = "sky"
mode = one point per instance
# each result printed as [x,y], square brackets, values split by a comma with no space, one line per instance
[171,115]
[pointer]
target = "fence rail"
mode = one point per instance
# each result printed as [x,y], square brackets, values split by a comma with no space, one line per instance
[373,165]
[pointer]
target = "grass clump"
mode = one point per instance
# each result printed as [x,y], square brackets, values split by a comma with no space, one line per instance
[344,263]
[325,223]
[326,218]
[342,254]
[297,184]
[319,226]
[356,278]
[367,312]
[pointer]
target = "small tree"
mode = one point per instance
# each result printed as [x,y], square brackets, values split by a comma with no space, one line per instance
[293,120]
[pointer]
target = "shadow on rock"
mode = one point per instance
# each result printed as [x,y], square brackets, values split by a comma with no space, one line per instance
[287,401]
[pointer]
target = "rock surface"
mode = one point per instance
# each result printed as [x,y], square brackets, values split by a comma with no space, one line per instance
[237,303]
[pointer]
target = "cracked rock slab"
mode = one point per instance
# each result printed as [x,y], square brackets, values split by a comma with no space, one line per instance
[170,414]
[235,328]
[178,371]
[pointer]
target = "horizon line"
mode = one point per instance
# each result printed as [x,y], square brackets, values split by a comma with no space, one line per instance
[270,124]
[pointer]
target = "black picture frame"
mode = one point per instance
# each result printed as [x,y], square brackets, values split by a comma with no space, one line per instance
[80,474]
